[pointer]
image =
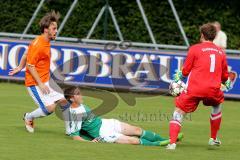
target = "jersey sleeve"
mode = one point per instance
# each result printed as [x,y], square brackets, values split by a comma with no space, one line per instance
[89,112]
[224,69]
[33,55]
[188,64]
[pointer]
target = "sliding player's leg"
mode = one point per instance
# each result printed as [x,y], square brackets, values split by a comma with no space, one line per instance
[123,139]
[114,131]
[130,130]
[127,140]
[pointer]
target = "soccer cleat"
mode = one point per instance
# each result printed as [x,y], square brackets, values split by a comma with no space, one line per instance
[29,125]
[180,137]
[171,146]
[213,142]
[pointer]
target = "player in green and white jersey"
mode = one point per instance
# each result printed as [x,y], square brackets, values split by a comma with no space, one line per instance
[81,119]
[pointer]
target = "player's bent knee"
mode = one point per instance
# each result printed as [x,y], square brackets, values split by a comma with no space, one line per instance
[138,131]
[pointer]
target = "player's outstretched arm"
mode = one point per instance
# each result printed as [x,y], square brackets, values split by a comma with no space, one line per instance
[20,66]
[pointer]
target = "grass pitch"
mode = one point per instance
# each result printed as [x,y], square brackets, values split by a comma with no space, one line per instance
[151,112]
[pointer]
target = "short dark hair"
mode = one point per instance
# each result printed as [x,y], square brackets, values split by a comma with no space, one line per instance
[70,92]
[48,19]
[209,31]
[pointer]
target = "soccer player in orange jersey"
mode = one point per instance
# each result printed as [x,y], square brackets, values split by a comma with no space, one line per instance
[37,77]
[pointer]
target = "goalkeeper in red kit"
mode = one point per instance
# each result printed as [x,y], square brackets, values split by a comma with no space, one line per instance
[206,69]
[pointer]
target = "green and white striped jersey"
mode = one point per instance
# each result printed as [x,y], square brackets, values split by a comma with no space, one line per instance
[81,118]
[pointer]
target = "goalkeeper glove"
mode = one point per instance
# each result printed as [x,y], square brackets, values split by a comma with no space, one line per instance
[177,76]
[227,85]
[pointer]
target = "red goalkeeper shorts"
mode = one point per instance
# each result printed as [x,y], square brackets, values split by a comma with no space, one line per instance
[189,103]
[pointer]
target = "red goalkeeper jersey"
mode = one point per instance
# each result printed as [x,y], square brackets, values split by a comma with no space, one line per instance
[206,68]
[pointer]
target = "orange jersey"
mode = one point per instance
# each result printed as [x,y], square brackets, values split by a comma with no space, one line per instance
[38,55]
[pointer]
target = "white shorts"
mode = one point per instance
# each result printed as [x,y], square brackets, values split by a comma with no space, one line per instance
[43,100]
[110,130]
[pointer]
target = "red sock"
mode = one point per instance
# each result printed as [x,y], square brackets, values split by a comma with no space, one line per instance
[215,121]
[174,129]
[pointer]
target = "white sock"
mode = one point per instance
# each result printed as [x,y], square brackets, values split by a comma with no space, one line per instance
[35,114]
[178,116]
[216,109]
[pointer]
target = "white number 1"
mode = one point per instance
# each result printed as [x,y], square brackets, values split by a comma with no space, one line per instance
[212,65]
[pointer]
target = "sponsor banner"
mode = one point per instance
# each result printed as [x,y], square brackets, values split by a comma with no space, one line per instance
[141,70]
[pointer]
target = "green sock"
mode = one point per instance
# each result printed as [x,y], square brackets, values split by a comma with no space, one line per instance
[156,143]
[151,136]
[148,143]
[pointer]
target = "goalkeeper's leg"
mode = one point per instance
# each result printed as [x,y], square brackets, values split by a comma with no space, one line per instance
[175,127]
[215,116]
[215,122]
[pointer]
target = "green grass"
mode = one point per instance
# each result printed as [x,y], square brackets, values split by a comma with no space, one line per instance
[49,141]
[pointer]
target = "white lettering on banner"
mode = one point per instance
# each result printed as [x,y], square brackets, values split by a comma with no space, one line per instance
[99,59]
[180,61]
[55,56]
[165,68]
[69,59]
[3,56]
[126,69]
[14,55]
[146,66]
[67,63]
[122,68]
[121,65]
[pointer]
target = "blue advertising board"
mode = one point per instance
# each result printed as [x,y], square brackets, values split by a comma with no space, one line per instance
[142,70]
